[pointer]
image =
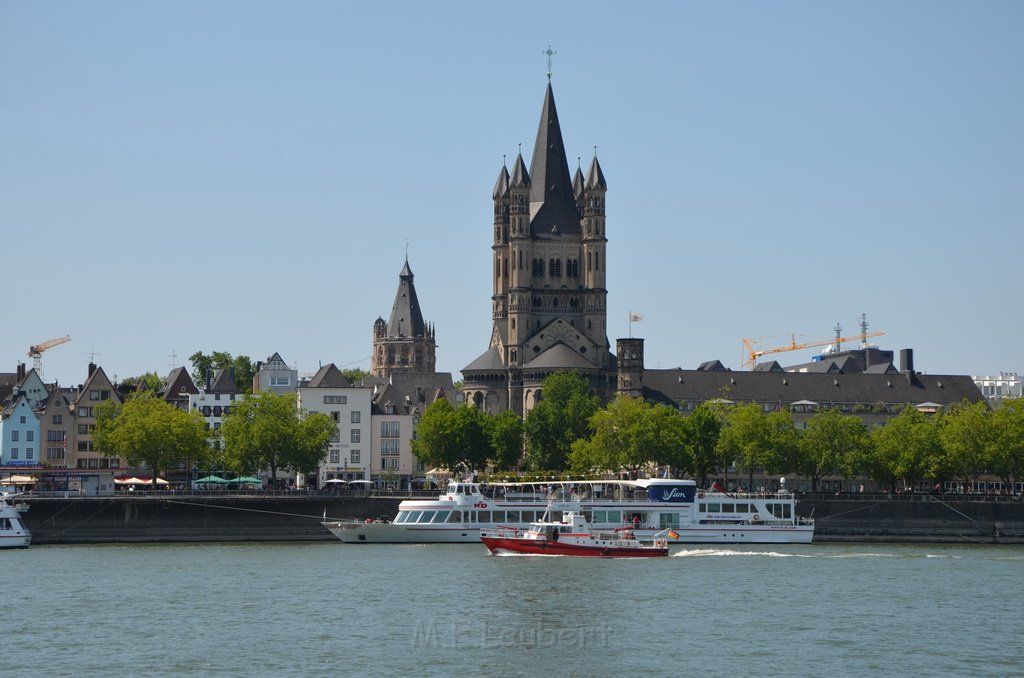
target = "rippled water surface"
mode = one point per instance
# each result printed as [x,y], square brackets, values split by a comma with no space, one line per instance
[452,610]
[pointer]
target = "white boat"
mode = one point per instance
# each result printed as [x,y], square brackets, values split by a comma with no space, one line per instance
[13,533]
[649,506]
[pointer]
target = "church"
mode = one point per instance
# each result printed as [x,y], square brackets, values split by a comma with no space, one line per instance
[549,303]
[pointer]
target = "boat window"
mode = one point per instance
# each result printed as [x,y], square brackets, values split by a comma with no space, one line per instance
[400,518]
[497,516]
[455,517]
[666,520]
[702,507]
[742,508]
[714,508]
[483,516]
[787,511]
[600,516]
[512,516]
[728,508]
[414,517]
[529,516]
[441,517]
[426,517]
[615,517]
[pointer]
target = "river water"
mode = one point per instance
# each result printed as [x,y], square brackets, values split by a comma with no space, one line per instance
[331,609]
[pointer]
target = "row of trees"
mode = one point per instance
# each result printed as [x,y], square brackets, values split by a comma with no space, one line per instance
[569,431]
[263,431]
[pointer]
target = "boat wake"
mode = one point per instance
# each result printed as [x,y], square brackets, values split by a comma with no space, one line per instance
[699,553]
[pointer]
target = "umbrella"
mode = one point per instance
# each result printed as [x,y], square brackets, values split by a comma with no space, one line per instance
[360,482]
[246,480]
[18,480]
[335,480]
[212,479]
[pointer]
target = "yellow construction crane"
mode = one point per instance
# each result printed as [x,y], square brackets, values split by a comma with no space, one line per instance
[753,352]
[36,351]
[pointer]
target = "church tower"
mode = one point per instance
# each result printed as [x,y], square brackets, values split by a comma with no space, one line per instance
[549,301]
[405,343]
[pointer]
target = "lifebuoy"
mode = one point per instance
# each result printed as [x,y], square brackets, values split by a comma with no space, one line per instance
[757,517]
[701,495]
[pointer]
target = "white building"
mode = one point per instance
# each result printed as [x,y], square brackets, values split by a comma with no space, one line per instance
[1006,385]
[348,457]
[275,375]
[216,401]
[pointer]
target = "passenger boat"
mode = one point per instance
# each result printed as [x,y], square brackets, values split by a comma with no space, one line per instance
[648,506]
[13,533]
[569,535]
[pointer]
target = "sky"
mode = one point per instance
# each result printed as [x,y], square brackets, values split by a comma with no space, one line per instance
[248,176]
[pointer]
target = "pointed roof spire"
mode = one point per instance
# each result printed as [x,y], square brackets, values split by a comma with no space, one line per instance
[552,202]
[406,317]
[501,185]
[520,177]
[595,177]
[577,181]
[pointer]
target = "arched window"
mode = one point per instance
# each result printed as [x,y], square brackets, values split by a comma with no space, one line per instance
[555,268]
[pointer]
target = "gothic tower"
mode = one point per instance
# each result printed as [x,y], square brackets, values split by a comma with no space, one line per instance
[549,301]
[405,343]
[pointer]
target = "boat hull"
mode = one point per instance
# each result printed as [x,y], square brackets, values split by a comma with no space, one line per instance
[542,547]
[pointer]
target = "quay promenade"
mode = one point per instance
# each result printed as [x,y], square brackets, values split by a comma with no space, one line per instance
[296,516]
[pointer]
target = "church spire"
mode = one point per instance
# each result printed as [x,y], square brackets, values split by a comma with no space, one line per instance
[552,202]
[406,317]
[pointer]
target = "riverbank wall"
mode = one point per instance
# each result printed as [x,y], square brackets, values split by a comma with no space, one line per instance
[187,518]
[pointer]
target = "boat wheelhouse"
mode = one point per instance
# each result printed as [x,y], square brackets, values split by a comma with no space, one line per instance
[13,533]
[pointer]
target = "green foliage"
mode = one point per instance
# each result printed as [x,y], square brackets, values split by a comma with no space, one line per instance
[355,375]
[705,426]
[145,430]
[832,444]
[630,433]
[453,437]
[266,430]
[245,368]
[558,420]
[906,448]
[152,382]
[1007,456]
[967,436]
[745,438]
[507,433]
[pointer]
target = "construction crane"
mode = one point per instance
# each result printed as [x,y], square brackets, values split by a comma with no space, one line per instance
[752,351]
[36,352]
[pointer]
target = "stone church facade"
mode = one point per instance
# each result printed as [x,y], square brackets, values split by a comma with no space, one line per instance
[549,301]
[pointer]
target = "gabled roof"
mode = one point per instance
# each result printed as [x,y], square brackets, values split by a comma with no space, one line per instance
[275,358]
[99,379]
[553,209]
[488,360]
[409,392]
[176,380]
[328,376]
[406,318]
[881,368]
[712,366]
[223,382]
[772,366]
[560,357]
[673,386]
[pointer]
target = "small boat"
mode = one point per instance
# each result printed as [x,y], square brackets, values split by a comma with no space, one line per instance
[13,533]
[564,531]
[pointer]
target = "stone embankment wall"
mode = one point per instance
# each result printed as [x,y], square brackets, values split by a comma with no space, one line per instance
[185,518]
[188,518]
[916,518]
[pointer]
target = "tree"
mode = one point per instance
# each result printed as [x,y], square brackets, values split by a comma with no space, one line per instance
[507,433]
[629,433]
[202,364]
[905,447]
[267,431]
[966,434]
[745,438]
[355,375]
[152,382]
[705,426]
[830,445]
[1007,456]
[559,419]
[452,437]
[783,443]
[145,430]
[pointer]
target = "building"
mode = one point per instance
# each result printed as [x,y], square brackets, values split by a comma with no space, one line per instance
[348,456]
[96,389]
[216,401]
[405,343]
[549,301]
[177,388]
[398,404]
[875,395]
[1005,385]
[275,375]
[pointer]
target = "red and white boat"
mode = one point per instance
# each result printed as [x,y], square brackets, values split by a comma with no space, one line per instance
[564,531]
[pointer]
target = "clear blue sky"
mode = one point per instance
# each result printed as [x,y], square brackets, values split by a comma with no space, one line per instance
[244,176]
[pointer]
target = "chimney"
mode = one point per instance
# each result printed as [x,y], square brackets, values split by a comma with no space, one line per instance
[209,379]
[907,361]
[92,368]
[21,372]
